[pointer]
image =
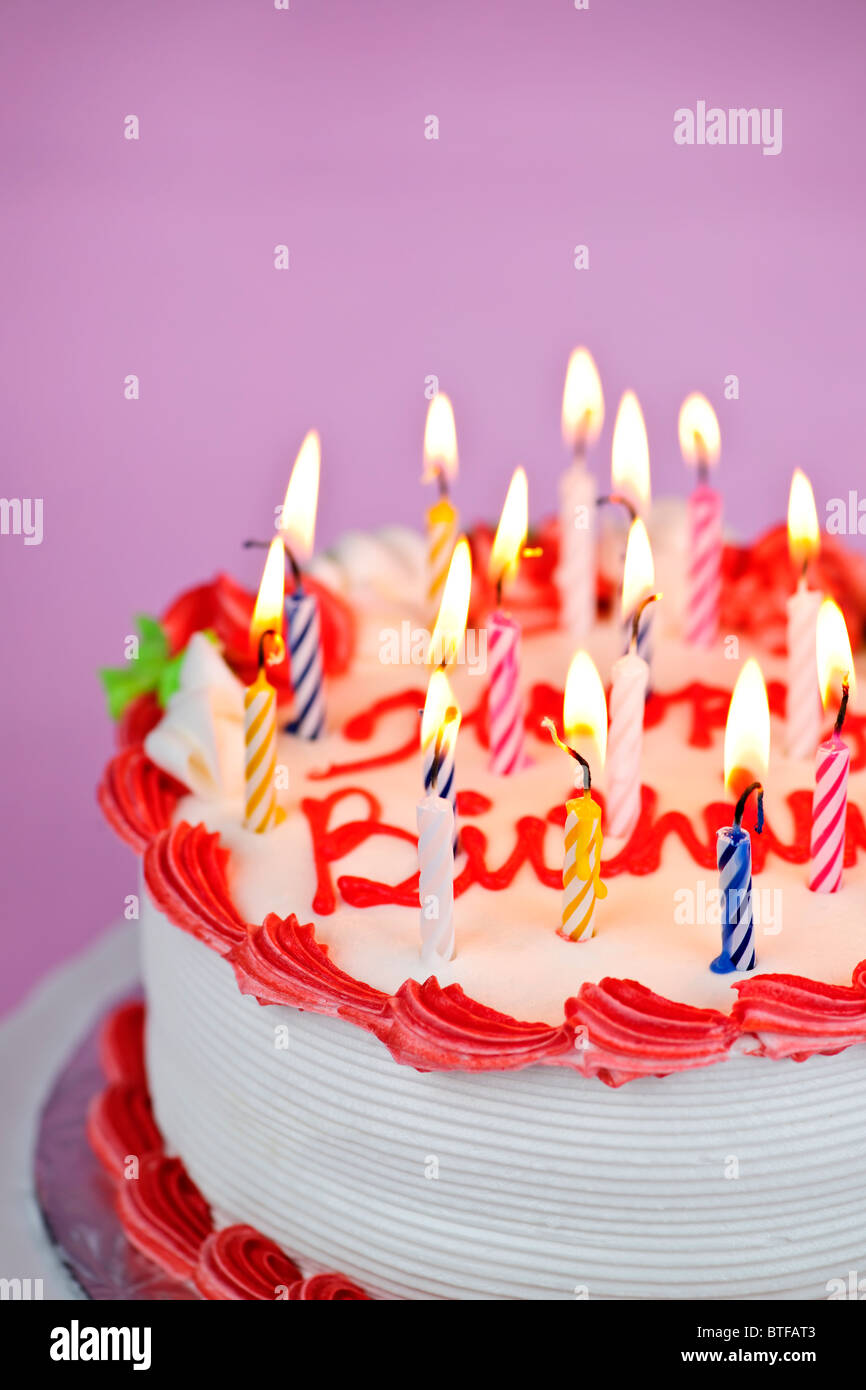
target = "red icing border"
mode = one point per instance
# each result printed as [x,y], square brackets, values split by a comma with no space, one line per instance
[161,1210]
[615,1030]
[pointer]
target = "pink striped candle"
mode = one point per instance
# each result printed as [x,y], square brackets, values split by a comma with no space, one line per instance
[830,808]
[705,566]
[700,442]
[504,701]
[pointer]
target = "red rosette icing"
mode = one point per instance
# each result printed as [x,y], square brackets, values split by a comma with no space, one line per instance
[185,872]
[239,1263]
[137,798]
[121,1044]
[323,1288]
[758,579]
[120,1123]
[631,1031]
[436,1029]
[796,1017]
[137,720]
[281,962]
[164,1214]
[226,607]
[532,594]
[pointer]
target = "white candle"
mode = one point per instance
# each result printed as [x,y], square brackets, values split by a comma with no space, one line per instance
[435,818]
[576,574]
[803,711]
[629,681]
[436,879]
[803,701]
[582,419]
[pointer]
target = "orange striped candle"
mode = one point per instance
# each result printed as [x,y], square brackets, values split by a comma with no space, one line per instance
[440,466]
[581,870]
[260,754]
[581,882]
[260,699]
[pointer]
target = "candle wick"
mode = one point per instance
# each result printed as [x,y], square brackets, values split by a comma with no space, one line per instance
[620,500]
[438,749]
[549,725]
[843,705]
[277,649]
[441,481]
[741,806]
[636,617]
[295,567]
[499,583]
[804,572]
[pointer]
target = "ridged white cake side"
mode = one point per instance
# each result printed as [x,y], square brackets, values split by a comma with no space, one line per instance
[548,1184]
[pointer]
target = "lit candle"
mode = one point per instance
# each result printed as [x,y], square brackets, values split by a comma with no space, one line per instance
[629,682]
[830,801]
[438,756]
[638,582]
[582,419]
[297,529]
[803,699]
[436,855]
[260,700]
[629,482]
[700,443]
[440,466]
[747,753]
[504,700]
[734,859]
[581,870]
[449,629]
[584,712]
[629,459]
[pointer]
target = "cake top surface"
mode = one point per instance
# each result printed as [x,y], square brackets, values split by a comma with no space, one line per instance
[345,857]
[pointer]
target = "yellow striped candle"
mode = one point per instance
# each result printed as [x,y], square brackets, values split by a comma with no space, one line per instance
[260,754]
[581,870]
[260,699]
[581,873]
[442,524]
[440,466]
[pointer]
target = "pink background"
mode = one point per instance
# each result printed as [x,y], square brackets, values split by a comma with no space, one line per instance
[408,257]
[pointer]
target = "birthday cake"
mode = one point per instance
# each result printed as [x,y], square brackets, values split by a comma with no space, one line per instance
[546,1113]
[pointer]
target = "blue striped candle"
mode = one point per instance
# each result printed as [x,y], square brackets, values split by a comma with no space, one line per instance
[734,858]
[305,665]
[446,781]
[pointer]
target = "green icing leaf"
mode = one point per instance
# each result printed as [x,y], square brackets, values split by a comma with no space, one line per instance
[152,670]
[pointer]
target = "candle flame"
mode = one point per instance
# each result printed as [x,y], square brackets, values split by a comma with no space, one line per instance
[584,707]
[512,530]
[803,533]
[298,519]
[582,400]
[440,700]
[440,440]
[268,610]
[454,609]
[630,465]
[638,576]
[833,651]
[700,437]
[747,732]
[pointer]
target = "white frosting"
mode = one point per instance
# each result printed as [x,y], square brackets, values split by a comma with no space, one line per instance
[547,1182]
[509,955]
[200,738]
